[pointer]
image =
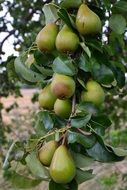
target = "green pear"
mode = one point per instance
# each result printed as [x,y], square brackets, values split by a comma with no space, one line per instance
[62,86]
[94,93]
[87,22]
[63,108]
[46,37]
[47,151]
[62,168]
[67,40]
[46,98]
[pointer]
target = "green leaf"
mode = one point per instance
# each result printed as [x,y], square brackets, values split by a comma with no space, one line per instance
[45,71]
[63,14]
[70,4]
[82,161]
[82,176]
[84,140]
[80,121]
[84,63]
[47,120]
[73,185]
[26,73]
[39,125]
[100,123]
[86,49]
[120,6]
[35,166]
[64,65]
[55,186]
[87,107]
[119,75]
[117,23]
[23,182]
[50,12]
[102,73]
[119,151]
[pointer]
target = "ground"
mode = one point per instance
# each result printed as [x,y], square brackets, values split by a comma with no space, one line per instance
[21,119]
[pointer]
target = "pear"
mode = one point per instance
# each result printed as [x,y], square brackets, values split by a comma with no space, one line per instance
[62,86]
[63,108]
[94,93]
[87,22]
[46,98]
[62,168]
[46,37]
[67,40]
[47,151]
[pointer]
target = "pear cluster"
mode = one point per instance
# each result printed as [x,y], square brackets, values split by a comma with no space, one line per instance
[66,40]
[59,160]
[56,95]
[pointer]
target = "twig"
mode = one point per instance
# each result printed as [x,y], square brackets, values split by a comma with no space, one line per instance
[8,154]
[84,132]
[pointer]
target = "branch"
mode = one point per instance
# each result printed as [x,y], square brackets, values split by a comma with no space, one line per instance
[1,44]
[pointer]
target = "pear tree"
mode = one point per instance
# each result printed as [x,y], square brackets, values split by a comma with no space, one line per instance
[76,63]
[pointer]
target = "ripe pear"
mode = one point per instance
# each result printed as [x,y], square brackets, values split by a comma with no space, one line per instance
[46,37]
[62,86]
[62,168]
[47,98]
[87,22]
[94,93]
[67,40]
[47,151]
[63,108]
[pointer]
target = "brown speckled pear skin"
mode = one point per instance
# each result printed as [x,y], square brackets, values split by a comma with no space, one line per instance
[87,22]
[46,152]
[94,93]
[46,98]
[62,86]
[46,38]
[62,168]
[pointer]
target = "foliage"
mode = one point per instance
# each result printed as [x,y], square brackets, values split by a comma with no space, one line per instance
[101,57]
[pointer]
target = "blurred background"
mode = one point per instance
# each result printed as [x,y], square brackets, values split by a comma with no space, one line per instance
[20,21]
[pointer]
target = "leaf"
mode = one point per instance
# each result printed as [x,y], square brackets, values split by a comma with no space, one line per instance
[86,49]
[87,107]
[86,141]
[47,120]
[82,161]
[26,73]
[102,73]
[119,75]
[50,12]
[35,166]
[120,6]
[39,125]
[64,65]
[82,176]
[100,123]
[55,186]
[80,121]
[63,14]
[23,182]
[45,71]
[84,63]
[73,185]
[117,23]
[70,4]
